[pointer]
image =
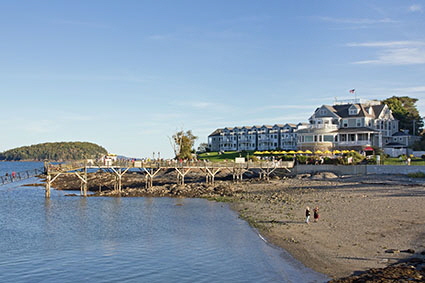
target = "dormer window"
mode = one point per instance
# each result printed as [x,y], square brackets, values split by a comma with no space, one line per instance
[353,110]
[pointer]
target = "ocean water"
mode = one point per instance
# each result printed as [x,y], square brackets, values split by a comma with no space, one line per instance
[75,239]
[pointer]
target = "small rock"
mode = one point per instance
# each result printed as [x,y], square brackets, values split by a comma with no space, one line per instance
[392,251]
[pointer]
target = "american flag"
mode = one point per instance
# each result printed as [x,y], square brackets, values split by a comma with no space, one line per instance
[352,90]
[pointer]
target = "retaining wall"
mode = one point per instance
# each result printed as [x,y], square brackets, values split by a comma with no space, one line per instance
[358,169]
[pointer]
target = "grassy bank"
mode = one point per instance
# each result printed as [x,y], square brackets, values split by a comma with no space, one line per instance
[229,155]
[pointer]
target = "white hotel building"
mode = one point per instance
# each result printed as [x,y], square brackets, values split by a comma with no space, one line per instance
[349,126]
[344,125]
[264,137]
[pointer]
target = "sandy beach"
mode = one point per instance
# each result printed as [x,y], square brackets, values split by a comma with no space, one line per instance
[361,220]
[365,221]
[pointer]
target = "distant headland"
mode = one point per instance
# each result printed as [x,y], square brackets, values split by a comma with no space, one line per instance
[54,151]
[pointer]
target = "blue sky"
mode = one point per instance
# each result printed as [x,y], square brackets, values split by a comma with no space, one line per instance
[129,74]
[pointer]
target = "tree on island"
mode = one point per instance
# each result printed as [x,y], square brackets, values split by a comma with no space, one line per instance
[57,151]
[183,143]
[404,110]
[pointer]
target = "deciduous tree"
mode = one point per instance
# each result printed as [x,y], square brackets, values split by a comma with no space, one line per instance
[404,110]
[183,144]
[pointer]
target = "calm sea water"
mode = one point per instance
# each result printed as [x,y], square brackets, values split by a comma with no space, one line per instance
[75,239]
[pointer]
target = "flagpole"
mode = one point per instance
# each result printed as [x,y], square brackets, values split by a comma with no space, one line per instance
[355,94]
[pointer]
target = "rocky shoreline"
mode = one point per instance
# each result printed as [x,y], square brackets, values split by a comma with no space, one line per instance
[361,218]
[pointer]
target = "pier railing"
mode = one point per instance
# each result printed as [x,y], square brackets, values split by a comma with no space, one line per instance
[18,176]
[152,167]
[77,165]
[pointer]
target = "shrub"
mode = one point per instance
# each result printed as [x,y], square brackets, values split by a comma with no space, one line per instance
[416,175]
[357,157]
[302,159]
[287,157]
[372,160]
[329,160]
[253,158]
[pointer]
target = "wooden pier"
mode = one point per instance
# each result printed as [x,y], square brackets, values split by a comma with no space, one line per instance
[152,168]
[19,176]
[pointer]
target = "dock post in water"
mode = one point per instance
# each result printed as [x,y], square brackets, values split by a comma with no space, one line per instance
[48,182]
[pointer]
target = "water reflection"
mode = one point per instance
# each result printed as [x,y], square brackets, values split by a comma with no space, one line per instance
[72,239]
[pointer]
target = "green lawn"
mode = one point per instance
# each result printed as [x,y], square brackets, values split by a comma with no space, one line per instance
[230,155]
[397,161]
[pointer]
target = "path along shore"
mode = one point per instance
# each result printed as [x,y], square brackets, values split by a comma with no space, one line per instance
[365,221]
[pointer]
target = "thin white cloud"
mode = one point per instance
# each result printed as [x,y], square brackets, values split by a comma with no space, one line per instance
[357,21]
[415,8]
[401,56]
[285,107]
[245,20]
[414,89]
[160,37]
[202,105]
[388,44]
[394,52]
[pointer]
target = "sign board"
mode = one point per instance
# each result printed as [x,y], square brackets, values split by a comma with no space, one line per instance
[240,160]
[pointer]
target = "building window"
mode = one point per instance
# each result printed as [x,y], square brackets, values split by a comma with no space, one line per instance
[345,123]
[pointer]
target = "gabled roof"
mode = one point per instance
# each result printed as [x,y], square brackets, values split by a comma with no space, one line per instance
[395,145]
[342,110]
[378,109]
[216,132]
[400,134]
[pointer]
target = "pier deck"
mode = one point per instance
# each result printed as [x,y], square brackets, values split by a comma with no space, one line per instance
[152,168]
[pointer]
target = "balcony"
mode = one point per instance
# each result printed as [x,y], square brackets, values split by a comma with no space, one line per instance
[353,143]
[324,126]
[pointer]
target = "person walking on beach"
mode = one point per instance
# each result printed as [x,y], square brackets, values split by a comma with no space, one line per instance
[316,214]
[307,214]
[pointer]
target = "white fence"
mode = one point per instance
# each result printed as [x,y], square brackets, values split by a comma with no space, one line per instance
[358,169]
[418,153]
